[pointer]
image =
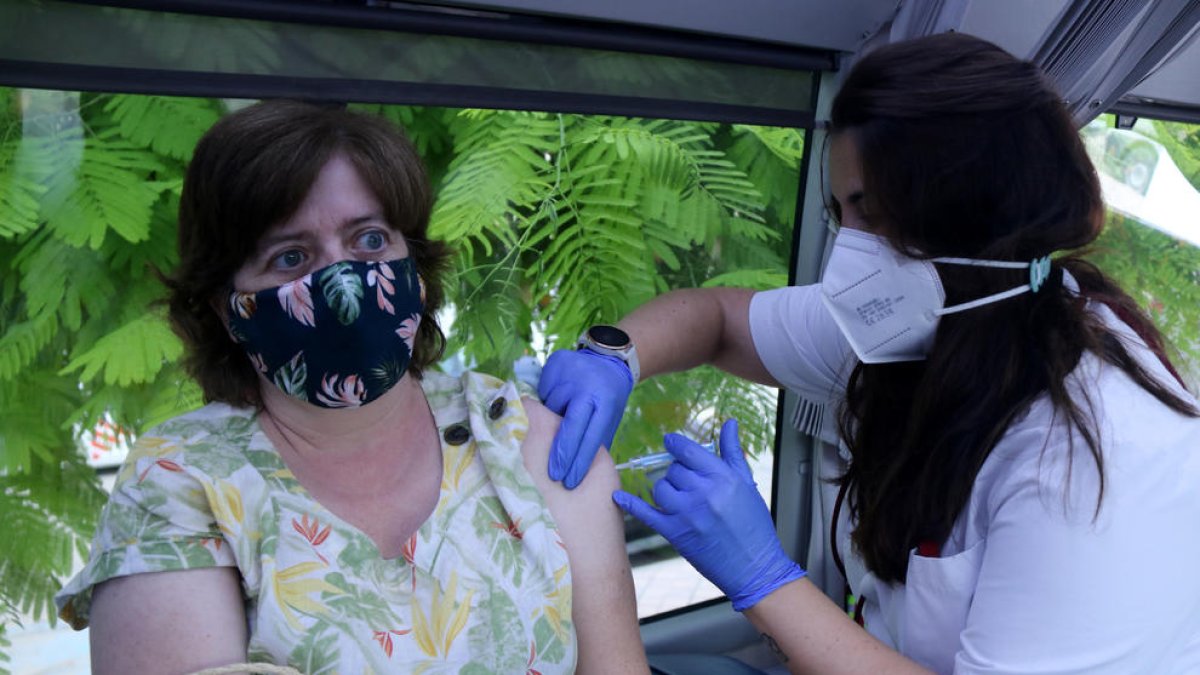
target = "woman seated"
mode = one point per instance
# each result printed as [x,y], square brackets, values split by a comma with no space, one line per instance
[338,505]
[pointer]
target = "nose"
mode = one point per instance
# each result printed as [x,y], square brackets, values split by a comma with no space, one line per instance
[330,252]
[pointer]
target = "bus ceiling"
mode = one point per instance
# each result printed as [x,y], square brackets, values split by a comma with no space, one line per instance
[755,61]
[1137,56]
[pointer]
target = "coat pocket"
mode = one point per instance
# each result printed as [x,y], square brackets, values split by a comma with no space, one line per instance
[938,596]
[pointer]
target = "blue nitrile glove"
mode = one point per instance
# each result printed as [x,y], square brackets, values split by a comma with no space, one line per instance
[711,512]
[590,391]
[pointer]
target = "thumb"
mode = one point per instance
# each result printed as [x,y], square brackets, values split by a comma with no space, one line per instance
[639,509]
[731,451]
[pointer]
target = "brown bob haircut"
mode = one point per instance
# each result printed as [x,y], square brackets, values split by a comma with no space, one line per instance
[250,172]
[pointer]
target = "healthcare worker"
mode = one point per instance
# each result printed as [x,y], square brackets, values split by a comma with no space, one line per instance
[1023,478]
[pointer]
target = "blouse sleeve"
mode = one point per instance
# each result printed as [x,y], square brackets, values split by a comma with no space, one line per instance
[158,518]
[799,342]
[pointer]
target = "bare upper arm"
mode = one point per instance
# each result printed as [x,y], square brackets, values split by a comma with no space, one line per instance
[168,622]
[604,603]
[689,327]
[737,353]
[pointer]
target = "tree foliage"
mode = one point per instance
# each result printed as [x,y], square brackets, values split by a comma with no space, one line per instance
[559,221]
[1182,142]
[88,186]
[1163,275]
[1160,272]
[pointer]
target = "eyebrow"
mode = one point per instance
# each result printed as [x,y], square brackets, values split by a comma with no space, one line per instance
[271,240]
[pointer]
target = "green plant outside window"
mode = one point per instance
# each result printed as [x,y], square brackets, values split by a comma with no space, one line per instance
[559,221]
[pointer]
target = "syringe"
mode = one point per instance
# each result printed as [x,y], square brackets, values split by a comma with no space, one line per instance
[656,460]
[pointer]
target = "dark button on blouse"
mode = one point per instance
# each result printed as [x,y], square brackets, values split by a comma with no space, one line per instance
[497,408]
[456,434]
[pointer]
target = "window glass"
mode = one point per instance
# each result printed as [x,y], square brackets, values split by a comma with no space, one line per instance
[559,221]
[1150,176]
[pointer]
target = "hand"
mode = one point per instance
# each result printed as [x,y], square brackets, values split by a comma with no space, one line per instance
[589,390]
[711,512]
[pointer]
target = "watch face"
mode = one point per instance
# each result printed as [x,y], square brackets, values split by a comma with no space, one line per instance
[609,336]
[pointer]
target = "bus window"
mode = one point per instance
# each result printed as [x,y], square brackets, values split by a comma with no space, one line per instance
[559,221]
[1150,176]
[579,170]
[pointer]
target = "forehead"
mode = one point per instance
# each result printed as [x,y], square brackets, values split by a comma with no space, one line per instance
[339,192]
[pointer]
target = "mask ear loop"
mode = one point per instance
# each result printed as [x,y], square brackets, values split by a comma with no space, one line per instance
[1039,271]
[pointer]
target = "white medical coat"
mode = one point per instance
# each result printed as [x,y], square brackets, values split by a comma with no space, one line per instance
[1031,579]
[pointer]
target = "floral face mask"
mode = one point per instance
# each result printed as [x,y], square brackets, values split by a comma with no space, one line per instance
[339,337]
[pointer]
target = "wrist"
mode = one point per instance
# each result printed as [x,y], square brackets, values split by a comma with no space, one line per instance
[618,363]
[613,342]
[779,571]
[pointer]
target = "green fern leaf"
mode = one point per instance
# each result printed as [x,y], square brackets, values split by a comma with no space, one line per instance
[499,162]
[22,174]
[159,251]
[425,127]
[770,157]
[133,353]
[786,144]
[50,516]
[57,278]
[762,279]
[109,191]
[169,126]
[21,344]
[133,407]
[33,407]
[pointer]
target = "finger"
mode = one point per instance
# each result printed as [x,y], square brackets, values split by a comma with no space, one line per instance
[682,477]
[668,498]
[597,429]
[583,457]
[551,374]
[558,398]
[566,447]
[691,454]
[606,420]
[639,509]
[731,450]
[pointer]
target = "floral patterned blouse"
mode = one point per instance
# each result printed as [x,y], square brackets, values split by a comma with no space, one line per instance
[482,587]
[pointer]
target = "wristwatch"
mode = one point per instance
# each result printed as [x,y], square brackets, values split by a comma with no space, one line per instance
[611,341]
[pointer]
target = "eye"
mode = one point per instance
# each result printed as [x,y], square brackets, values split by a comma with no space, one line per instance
[288,260]
[372,240]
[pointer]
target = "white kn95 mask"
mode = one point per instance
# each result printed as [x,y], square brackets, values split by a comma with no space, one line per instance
[888,305]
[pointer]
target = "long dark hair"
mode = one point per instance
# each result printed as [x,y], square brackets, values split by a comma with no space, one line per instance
[968,151]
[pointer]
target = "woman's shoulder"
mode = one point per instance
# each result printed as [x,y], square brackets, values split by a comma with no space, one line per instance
[211,440]
[484,398]
[507,417]
[1046,460]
